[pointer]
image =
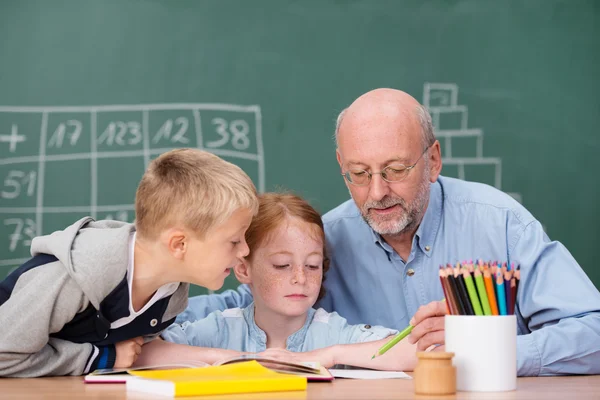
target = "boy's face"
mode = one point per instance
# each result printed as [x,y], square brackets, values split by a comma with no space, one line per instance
[286,271]
[209,261]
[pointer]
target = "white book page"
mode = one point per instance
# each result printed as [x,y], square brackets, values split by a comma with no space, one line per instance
[368,374]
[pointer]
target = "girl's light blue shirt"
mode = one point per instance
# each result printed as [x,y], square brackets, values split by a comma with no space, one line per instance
[235,329]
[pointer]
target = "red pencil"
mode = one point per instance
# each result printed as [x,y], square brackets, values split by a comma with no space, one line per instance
[507,294]
[513,294]
[447,293]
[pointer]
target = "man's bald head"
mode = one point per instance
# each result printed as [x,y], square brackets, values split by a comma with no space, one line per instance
[399,107]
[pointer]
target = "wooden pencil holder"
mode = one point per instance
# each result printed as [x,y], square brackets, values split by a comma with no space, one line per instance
[435,374]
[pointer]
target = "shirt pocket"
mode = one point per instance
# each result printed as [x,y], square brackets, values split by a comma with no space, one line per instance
[369,333]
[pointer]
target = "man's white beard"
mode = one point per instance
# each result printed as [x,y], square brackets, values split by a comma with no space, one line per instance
[411,213]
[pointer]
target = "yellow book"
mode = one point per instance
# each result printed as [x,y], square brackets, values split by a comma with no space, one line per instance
[245,377]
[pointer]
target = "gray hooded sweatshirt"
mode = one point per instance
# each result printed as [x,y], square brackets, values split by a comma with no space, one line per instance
[56,309]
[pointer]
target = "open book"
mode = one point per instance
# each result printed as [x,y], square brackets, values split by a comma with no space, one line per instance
[313,371]
[122,375]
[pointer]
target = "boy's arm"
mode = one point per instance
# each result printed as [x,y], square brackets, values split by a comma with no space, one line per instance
[42,302]
[200,306]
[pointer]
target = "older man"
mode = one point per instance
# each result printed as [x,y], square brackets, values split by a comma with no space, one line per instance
[404,220]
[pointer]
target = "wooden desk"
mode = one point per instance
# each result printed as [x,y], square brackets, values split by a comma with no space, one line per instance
[580,387]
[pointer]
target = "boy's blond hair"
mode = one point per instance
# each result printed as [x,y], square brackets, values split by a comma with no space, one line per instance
[193,188]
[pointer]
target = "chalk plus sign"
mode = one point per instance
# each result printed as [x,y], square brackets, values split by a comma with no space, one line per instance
[13,139]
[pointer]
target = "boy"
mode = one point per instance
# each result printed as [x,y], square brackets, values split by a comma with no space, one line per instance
[94,292]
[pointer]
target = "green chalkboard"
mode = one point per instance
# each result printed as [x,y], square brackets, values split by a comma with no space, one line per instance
[90,91]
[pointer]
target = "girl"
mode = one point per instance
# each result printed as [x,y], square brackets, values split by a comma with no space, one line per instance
[285,271]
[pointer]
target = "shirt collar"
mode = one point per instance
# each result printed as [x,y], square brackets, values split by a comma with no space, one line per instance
[294,341]
[255,332]
[376,237]
[427,230]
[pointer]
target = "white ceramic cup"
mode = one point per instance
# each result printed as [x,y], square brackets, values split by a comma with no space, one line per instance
[485,351]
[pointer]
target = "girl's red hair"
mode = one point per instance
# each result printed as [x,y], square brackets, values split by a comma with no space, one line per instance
[273,210]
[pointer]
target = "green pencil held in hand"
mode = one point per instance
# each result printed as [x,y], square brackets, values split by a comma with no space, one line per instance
[392,343]
[396,339]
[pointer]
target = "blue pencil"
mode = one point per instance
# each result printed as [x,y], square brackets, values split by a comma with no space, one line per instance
[500,293]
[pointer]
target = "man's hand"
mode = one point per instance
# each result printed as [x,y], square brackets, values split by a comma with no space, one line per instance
[128,351]
[428,324]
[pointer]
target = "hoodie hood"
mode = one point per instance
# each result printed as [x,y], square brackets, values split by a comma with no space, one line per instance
[87,247]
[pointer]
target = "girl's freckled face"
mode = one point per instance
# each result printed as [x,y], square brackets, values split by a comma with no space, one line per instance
[287,270]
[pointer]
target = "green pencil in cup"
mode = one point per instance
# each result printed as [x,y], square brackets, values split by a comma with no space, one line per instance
[399,336]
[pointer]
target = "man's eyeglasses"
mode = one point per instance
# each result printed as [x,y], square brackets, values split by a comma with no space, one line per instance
[392,173]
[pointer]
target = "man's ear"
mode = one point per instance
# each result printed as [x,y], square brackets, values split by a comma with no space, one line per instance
[435,161]
[339,157]
[177,242]
[242,272]
[339,160]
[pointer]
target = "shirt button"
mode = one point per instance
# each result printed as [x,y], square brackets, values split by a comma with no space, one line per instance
[410,272]
[153,322]
[367,326]
[427,248]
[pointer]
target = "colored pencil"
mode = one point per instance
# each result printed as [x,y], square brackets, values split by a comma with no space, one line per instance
[480,287]
[462,290]
[513,295]
[489,288]
[500,293]
[401,335]
[447,294]
[508,296]
[452,282]
[483,297]
[451,286]
[469,266]
[493,269]
[472,292]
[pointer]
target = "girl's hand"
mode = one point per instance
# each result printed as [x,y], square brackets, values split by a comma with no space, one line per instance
[280,354]
[324,356]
